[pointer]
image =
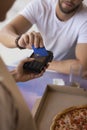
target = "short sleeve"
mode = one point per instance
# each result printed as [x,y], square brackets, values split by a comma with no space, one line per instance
[31,11]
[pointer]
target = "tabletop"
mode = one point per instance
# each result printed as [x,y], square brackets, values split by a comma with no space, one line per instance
[34,89]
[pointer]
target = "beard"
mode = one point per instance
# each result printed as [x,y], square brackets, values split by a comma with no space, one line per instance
[68,11]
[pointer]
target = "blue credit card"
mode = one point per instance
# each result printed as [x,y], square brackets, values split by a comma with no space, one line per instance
[40,51]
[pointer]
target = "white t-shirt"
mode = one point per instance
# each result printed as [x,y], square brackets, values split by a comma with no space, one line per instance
[59,37]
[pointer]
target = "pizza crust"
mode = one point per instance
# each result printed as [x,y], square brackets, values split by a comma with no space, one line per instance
[64,112]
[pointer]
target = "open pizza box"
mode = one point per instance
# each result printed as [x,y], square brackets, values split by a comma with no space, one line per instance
[25,119]
[55,100]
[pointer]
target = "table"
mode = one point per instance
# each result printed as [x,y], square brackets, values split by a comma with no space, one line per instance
[34,89]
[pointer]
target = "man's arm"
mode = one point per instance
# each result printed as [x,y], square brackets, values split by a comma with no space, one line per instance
[19,27]
[64,65]
[12,30]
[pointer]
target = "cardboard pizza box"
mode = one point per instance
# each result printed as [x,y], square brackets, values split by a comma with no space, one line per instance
[55,100]
[25,119]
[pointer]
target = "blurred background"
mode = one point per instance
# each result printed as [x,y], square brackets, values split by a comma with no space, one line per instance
[13,56]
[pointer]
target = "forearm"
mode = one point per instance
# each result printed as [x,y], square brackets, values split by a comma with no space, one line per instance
[62,66]
[12,30]
[8,36]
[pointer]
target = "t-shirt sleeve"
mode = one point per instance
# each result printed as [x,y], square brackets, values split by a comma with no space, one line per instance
[82,37]
[31,11]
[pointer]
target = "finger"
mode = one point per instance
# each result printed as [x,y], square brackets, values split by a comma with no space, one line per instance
[41,42]
[22,43]
[31,38]
[37,39]
[28,59]
[31,76]
[26,38]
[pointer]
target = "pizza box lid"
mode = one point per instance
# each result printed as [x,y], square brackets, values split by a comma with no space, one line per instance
[55,100]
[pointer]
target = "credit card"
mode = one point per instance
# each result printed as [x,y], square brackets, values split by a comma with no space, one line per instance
[41,51]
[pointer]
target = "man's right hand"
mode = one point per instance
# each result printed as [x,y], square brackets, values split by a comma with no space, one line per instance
[31,38]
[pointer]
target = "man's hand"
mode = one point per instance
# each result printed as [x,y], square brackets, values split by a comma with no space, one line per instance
[29,39]
[21,76]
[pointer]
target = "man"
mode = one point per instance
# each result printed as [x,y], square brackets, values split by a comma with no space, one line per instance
[63,26]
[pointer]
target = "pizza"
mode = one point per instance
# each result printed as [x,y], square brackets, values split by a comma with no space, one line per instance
[73,118]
